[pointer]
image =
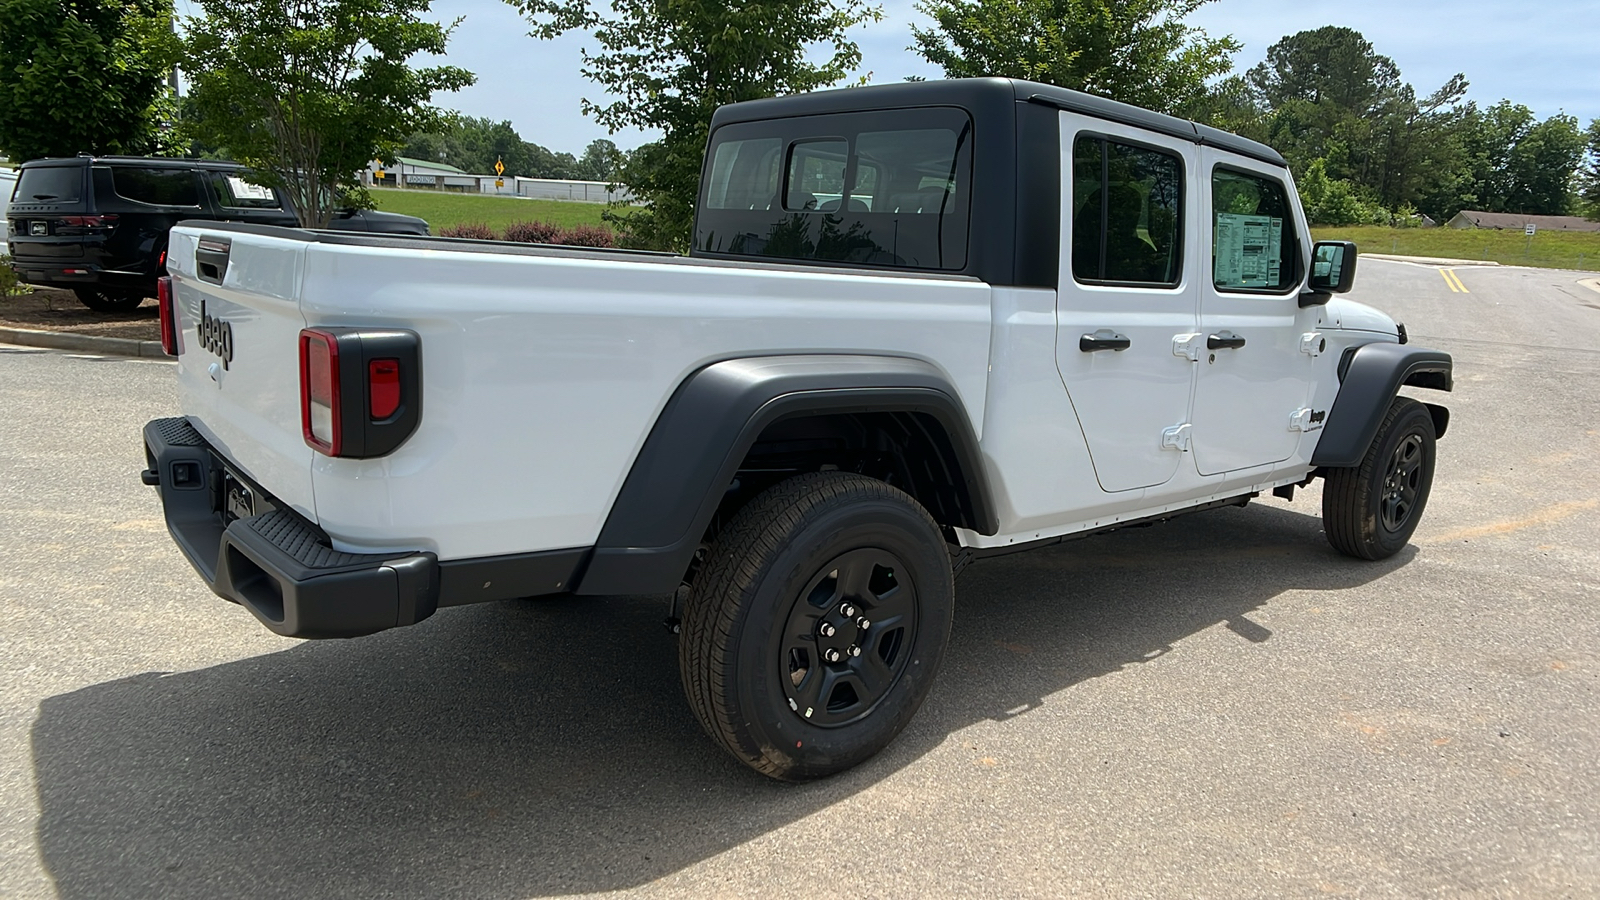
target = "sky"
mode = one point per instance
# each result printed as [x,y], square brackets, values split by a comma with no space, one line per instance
[1545,55]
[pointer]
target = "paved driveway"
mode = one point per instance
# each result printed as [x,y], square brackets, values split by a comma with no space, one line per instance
[1215,707]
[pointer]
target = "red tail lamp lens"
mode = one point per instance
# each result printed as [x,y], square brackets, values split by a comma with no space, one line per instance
[319,391]
[383,388]
[169,316]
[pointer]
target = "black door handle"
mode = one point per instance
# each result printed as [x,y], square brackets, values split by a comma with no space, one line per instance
[1224,340]
[1104,339]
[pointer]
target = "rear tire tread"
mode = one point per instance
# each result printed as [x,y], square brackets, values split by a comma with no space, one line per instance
[738,561]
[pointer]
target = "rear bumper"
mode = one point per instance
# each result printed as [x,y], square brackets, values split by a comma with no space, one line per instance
[274,563]
[47,271]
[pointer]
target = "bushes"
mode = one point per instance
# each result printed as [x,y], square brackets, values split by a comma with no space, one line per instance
[9,286]
[1334,201]
[587,236]
[535,233]
[476,230]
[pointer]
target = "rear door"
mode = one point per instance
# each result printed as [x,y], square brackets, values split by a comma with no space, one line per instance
[1254,377]
[1127,291]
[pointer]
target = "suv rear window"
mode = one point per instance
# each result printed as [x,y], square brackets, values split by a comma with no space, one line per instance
[155,186]
[881,188]
[50,184]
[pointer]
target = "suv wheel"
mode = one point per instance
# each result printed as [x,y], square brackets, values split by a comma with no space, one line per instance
[1369,511]
[814,631]
[104,300]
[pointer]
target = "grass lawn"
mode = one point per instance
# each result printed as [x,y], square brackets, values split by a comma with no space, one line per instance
[440,209]
[1549,249]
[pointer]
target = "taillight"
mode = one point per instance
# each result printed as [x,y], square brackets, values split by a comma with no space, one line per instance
[84,224]
[360,389]
[169,316]
[383,388]
[319,391]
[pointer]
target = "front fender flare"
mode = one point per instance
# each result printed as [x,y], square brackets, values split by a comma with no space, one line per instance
[1370,378]
[709,424]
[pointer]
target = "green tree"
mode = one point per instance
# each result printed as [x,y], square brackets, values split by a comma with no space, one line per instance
[600,161]
[671,63]
[1519,164]
[1333,98]
[1589,179]
[473,144]
[308,92]
[83,76]
[1136,51]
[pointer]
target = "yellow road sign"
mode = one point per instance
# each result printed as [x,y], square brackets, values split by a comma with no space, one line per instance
[499,183]
[499,168]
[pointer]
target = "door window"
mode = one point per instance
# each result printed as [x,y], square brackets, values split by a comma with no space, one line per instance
[155,186]
[1127,213]
[233,192]
[1253,243]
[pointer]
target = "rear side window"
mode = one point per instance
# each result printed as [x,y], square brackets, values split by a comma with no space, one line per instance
[1127,213]
[885,189]
[233,192]
[155,186]
[50,184]
[1252,239]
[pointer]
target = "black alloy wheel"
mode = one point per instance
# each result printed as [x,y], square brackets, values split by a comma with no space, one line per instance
[844,645]
[815,629]
[1402,483]
[1369,511]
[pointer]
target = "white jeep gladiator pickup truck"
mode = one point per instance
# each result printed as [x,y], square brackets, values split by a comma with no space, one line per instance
[920,323]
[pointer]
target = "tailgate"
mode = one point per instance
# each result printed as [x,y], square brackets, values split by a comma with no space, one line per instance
[236,295]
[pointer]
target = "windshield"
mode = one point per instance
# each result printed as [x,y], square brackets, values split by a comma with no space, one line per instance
[50,184]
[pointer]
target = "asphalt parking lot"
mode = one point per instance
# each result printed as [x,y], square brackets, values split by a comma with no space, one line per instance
[1219,706]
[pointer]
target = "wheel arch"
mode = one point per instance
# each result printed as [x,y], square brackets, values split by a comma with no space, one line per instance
[1370,378]
[710,424]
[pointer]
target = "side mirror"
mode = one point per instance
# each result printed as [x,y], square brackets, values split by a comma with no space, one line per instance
[1333,271]
[1333,266]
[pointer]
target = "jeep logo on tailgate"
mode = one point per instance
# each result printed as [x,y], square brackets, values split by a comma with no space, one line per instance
[216,335]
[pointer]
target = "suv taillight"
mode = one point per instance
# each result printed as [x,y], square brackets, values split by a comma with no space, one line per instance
[360,390]
[84,224]
[169,316]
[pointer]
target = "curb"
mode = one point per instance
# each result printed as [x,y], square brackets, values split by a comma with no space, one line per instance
[83,343]
[1432,260]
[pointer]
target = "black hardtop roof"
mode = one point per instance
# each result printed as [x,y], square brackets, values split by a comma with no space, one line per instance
[158,162]
[973,93]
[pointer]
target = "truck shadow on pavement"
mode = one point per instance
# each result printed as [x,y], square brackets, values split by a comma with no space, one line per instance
[541,748]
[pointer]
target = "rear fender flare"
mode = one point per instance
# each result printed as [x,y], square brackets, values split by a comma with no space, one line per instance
[710,423]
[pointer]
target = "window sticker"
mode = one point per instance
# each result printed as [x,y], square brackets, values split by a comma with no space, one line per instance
[244,190]
[1249,251]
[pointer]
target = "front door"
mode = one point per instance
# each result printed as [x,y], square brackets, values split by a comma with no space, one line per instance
[1127,291]
[1254,377]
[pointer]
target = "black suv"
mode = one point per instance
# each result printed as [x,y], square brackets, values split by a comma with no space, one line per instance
[98,225]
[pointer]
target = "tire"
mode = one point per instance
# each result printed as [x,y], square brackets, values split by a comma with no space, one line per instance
[1369,511]
[820,551]
[103,300]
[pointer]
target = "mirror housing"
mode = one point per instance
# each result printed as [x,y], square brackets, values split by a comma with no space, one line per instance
[1333,267]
